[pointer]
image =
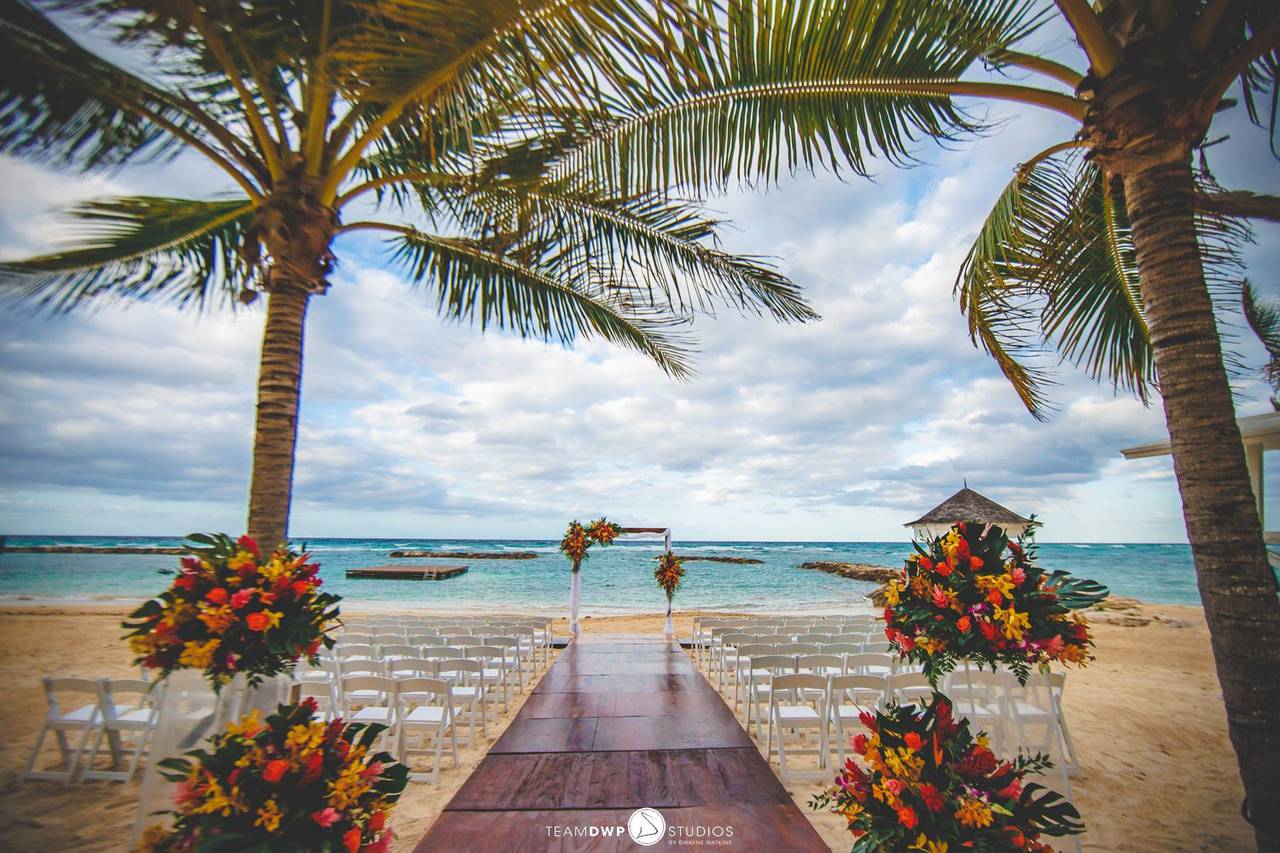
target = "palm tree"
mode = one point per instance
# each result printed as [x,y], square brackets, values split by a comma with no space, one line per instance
[425,119]
[1104,247]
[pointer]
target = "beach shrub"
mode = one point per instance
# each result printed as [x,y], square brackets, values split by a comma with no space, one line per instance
[931,785]
[974,595]
[286,783]
[231,610]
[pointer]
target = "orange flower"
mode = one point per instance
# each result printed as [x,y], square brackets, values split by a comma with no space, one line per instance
[351,840]
[275,770]
[962,624]
[258,621]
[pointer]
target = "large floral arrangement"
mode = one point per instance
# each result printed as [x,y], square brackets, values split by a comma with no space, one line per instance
[231,609]
[669,573]
[287,783]
[579,539]
[975,595]
[929,784]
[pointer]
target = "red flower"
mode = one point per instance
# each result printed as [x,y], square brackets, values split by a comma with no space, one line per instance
[378,820]
[1018,575]
[925,563]
[860,744]
[217,595]
[975,562]
[190,563]
[326,818]
[906,643]
[275,770]
[932,798]
[374,769]
[249,545]
[867,719]
[241,598]
[907,817]
[895,785]
[913,741]
[300,588]
[315,764]
[351,840]
[988,630]
[312,648]
[994,596]
[944,568]
[186,580]
[257,621]
[962,624]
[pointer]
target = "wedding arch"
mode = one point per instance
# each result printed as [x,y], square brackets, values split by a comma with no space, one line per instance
[579,538]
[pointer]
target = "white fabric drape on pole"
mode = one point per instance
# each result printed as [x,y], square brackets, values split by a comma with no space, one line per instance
[575,601]
[668,630]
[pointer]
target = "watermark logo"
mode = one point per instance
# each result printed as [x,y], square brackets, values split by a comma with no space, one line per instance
[646,827]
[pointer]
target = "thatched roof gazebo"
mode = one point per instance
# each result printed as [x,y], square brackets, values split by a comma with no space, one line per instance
[968,505]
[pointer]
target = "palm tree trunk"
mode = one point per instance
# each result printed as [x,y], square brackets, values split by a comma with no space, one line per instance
[276,429]
[1237,585]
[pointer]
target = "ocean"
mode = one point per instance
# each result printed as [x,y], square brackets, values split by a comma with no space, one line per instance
[616,580]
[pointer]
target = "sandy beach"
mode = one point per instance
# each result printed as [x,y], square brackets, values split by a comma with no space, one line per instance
[1146,716]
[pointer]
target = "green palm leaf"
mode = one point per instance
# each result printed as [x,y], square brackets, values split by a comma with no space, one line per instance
[61,102]
[1054,269]
[658,244]
[827,83]
[472,282]
[144,247]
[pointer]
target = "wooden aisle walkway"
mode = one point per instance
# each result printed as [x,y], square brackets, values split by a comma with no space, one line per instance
[618,724]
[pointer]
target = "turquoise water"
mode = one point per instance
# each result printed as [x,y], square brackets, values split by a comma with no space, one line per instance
[617,579]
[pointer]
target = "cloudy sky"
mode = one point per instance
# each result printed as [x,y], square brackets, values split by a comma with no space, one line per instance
[137,419]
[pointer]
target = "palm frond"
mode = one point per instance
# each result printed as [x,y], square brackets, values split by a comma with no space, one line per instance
[474,283]
[1054,269]
[821,83]
[177,250]
[61,102]
[663,248]
[1264,319]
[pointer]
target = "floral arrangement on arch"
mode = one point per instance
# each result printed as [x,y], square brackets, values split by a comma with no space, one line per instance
[287,783]
[931,785]
[669,573]
[975,595]
[231,609]
[579,539]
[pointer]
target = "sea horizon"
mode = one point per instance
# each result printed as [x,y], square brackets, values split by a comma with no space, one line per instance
[616,580]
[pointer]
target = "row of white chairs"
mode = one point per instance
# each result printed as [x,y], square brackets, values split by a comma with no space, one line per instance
[534,641]
[705,629]
[429,702]
[805,701]
[121,711]
[725,647]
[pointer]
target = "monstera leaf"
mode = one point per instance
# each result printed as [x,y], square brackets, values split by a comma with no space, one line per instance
[1076,593]
[1048,812]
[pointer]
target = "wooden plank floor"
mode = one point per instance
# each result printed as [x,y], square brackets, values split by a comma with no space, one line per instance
[616,725]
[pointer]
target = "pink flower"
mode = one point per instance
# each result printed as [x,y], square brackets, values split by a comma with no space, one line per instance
[326,818]
[241,598]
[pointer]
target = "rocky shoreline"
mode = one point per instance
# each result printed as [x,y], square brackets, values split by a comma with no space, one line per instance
[469,555]
[854,571]
[737,561]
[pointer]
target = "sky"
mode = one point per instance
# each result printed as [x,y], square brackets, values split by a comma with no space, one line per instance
[132,419]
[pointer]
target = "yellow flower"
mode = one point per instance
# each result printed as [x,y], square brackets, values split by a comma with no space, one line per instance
[1015,622]
[302,739]
[1003,583]
[851,811]
[269,816]
[241,560]
[198,655]
[273,570]
[218,801]
[141,645]
[924,844]
[350,786]
[893,593]
[248,726]
[974,813]
[216,618]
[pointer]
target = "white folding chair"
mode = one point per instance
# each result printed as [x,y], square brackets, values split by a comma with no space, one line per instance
[83,719]
[848,697]
[760,675]
[798,703]
[371,699]
[869,664]
[123,721]
[470,699]
[910,688]
[425,709]
[982,698]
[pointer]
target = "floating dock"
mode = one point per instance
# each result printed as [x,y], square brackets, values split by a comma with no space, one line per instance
[407,573]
